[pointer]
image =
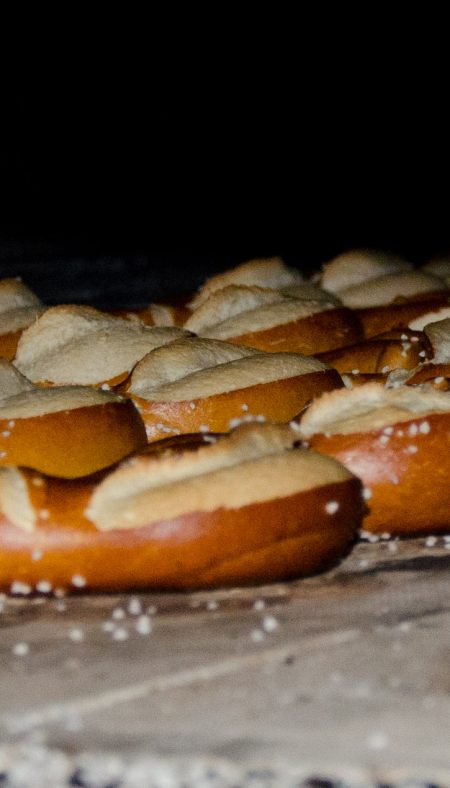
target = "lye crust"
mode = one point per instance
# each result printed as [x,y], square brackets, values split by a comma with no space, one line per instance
[66,432]
[379,354]
[398,442]
[74,345]
[315,333]
[169,523]
[379,319]
[199,384]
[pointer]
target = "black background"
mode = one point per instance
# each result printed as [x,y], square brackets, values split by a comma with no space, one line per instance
[117,192]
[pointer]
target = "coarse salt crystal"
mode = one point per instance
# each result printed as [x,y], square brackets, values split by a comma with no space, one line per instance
[44,587]
[203,428]
[259,604]
[20,649]
[17,587]
[270,624]
[424,428]
[118,613]
[367,493]
[244,406]
[144,625]
[76,634]
[430,541]
[120,634]
[257,635]
[78,581]
[134,607]
[331,507]
[413,429]
[212,605]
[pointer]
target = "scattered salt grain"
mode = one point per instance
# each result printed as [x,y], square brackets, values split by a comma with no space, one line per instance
[134,607]
[20,649]
[203,428]
[118,614]
[244,407]
[76,634]
[404,626]
[392,547]
[270,624]
[144,625]
[108,626]
[259,604]
[36,555]
[355,371]
[257,635]
[366,493]
[120,634]
[430,541]
[212,605]
[413,429]
[412,449]
[424,428]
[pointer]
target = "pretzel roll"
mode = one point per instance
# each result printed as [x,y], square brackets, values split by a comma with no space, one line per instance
[269,272]
[249,509]
[400,316]
[67,432]
[199,384]
[19,307]
[357,266]
[173,312]
[268,320]
[381,354]
[79,345]
[385,289]
[439,266]
[398,442]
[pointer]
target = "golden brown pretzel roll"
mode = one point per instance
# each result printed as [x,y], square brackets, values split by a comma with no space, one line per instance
[269,272]
[200,384]
[381,354]
[249,509]
[268,320]
[19,307]
[66,432]
[399,316]
[398,442]
[79,345]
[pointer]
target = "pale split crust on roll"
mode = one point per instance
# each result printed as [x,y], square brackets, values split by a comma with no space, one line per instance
[197,368]
[371,407]
[72,345]
[250,312]
[357,266]
[252,465]
[69,431]
[385,289]
[269,272]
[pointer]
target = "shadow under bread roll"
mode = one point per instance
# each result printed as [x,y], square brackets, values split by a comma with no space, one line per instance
[249,508]
[397,441]
[206,385]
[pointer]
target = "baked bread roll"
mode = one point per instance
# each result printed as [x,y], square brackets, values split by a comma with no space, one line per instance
[251,508]
[268,320]
[269,272]
[19,307]
[397,441]
[79,345]
[67,432]
[205,385]
[357,266]
[380,354]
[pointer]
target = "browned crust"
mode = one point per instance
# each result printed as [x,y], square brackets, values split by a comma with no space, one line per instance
[278,401]
[438,375]
[8,344]
[259,543]
[309,335]
[418,503]
[72,443]
[379,319]
[376,355]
